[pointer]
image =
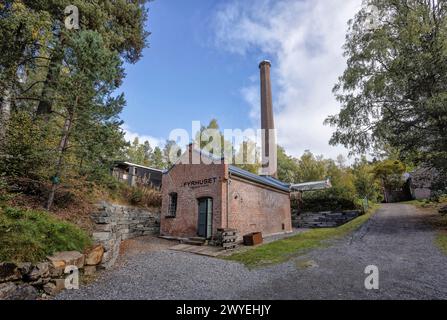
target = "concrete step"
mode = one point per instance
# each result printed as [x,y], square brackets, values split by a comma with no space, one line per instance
[197,239]
[193,242]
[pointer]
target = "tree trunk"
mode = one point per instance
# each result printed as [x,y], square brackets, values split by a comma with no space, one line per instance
[61,150]
[45,105]
[5,114]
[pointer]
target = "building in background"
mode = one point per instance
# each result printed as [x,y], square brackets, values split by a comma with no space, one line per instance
[421,182]
[137,175]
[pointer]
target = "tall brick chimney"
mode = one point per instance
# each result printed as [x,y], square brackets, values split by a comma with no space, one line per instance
[269,157]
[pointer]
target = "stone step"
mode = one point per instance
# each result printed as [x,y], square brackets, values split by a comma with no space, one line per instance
[193,242]
[197,239]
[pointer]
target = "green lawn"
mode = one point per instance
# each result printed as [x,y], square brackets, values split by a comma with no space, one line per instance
[282,250]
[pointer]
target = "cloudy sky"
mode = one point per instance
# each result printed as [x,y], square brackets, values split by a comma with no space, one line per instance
[203,58]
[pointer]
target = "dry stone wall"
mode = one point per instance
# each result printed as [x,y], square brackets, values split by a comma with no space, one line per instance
[324,219]
[114,223]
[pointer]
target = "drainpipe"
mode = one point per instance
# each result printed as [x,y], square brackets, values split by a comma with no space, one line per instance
[228,198]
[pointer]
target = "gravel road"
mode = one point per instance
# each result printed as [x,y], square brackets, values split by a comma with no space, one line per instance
[396,240]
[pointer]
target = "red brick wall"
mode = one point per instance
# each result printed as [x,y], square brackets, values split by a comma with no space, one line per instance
[255,208]
[185,223]
[252,207]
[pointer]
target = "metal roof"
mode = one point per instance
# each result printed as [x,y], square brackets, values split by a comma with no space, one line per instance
[311,186]
[137,165]
[265,180]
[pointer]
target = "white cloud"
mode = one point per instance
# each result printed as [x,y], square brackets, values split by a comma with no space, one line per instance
[131,135]
[252,97]
[305,39]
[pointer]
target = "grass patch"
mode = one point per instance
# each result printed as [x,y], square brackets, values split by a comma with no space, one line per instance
[31,235]
[282,250]
[441,240]
[439,222]
[422,203]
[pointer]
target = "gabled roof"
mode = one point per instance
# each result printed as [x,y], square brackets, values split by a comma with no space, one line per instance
[311,186]
[265,180]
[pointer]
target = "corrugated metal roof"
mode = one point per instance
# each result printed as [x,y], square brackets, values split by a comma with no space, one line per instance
[312,186]
[265,180]
[136,165]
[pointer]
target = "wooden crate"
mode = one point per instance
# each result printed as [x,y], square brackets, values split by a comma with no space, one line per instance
[253,239]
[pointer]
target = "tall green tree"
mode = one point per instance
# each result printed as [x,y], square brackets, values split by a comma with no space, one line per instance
[248,157]
[311,167]
[390,173]
[157,160]
[139,153]
[366,183]
[394,89]
[171,152]
[210,137]
[119,22]
[23,31]
[84,98]
[288,169]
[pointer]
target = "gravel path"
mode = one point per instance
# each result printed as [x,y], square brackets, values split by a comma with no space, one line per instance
[396,240]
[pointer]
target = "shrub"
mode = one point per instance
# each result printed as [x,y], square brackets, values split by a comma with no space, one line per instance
[327,200]
[136,196]
[142,196]
[439,196]
[29,235]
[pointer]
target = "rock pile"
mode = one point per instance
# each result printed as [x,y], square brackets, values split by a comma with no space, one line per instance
[27,281]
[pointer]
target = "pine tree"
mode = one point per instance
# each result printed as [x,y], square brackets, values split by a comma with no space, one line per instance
[84,95]
[171,152]
[157,160]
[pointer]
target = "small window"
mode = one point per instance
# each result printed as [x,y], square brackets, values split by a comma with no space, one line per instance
[172,210]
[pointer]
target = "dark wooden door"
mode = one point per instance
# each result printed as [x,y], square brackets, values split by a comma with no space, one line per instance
[205,225]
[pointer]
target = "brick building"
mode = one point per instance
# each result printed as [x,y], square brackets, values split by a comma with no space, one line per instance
[198,199]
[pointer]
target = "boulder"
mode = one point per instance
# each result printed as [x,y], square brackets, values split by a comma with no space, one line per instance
[56,272]
[6,289]
[54,287]
[89,270]
[39,274]
[12,291]
[94,256]
[67,258]
[25,268]
[50,288]
[9,272]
